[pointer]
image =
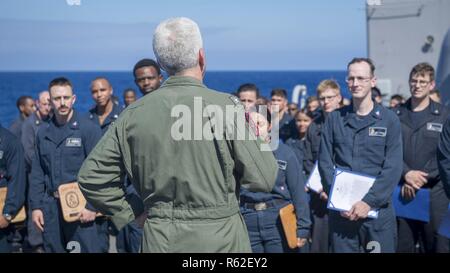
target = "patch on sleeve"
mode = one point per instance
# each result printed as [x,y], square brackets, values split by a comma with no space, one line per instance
[235,100]
[282,165]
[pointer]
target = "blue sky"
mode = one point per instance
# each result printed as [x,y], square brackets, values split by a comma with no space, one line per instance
[111,35]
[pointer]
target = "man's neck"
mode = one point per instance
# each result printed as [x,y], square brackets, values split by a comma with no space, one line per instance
[62,120]
[364,106]
[194,72]
[104,110]
[418,105]
[40,116]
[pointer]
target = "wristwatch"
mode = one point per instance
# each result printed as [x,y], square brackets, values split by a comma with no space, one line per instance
[8,217]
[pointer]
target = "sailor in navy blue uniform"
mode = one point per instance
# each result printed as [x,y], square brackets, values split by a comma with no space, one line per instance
[104,114]
[365,138]
[444,156]
[61,148]
[422,122]
[261,210]
[12,176]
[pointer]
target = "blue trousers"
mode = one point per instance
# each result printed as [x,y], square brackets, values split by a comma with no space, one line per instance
[129,239]
[60,236]
[265,231]
[367,235]
[5,246]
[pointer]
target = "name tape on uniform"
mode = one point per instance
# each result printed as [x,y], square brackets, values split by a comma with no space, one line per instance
[378,131]
[436,127]
[73,142]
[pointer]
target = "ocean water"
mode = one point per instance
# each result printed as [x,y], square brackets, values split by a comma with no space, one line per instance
[15,84]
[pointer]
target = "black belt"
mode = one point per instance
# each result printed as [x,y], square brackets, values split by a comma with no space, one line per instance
[264,205]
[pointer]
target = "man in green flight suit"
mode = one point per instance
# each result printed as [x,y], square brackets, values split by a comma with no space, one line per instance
[186,170]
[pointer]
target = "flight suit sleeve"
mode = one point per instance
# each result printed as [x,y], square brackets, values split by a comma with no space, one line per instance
[101,178]
[256,169]
[92,137]
[296,184]
[443,156]
[37,179]
[28,140]
[381,191]
[326,164]
[15,167]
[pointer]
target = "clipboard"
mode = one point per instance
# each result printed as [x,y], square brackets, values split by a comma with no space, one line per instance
[289,223]
[21,216]
[366,182]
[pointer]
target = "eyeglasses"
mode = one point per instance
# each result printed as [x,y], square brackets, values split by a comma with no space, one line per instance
[351,80]
[327,98]
[421,83]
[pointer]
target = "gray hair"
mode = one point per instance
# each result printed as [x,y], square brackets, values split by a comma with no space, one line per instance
[176,43]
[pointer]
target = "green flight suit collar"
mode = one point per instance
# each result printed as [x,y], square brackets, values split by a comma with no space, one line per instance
[182,80]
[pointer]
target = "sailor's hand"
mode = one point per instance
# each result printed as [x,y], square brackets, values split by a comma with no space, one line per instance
[87,216]
[416,179]
[301,242]
[360,210]
[140,220]
[38,219]
[408,192]
[323,196]
[3,222]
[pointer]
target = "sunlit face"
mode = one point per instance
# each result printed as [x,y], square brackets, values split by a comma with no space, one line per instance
[279,101]
[248,98]
[302,121]
[44,105]
[421,85]
[147,79]
[62,99]
[129,97]
[360,80]
[101,92]
[330,99]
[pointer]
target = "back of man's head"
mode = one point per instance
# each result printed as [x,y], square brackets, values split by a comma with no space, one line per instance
[176,44]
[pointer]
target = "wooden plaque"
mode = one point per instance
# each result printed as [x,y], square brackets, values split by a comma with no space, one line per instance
[21,216]
[72,201]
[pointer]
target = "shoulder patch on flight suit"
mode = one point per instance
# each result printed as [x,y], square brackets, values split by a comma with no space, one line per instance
[378,131]
[282,165]
[1,154]
[235,100]
[73,142]
[436,127]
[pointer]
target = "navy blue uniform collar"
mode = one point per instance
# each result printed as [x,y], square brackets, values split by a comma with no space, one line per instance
[115,112]
[433,110]
[72,125]
[350,116]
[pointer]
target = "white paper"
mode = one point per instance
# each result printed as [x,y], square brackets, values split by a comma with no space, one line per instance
[349,188]
[314,180]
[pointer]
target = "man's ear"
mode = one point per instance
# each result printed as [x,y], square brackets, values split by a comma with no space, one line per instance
[202,60]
